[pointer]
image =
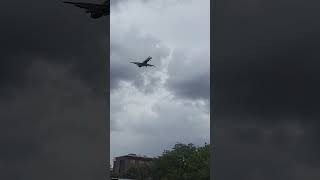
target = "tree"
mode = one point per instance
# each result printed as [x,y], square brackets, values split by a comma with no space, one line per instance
[183,162]
[199,163]
[139,172]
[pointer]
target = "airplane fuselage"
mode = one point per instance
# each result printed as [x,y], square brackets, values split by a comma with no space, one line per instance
[144,63]
[96,10]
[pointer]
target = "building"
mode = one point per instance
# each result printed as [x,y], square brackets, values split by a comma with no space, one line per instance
[122,164]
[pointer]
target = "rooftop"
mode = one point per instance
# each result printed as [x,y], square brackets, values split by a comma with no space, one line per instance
[134,156]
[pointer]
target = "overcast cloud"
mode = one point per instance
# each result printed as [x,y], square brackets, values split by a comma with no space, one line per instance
[53,71]
[266,90]
[153,108]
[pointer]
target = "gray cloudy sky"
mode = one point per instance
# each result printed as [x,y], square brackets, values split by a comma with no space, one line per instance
[266,89]
[266,86]
[53,114]
[153,108]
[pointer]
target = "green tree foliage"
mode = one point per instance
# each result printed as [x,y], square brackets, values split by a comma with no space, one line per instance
[199,163]
[140,172]
[183,162]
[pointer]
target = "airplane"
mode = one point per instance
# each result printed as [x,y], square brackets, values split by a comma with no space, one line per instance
[144,63]
[96,10]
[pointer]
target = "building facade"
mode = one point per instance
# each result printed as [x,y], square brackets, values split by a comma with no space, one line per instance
[122,164]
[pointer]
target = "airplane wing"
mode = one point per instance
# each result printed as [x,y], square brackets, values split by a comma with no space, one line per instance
[151,65]
[147,60]
[83,5]
[137,63]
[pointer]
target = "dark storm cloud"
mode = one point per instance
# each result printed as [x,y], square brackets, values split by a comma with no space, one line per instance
[52,88]
[52,30]
[265,76]
[52,126]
